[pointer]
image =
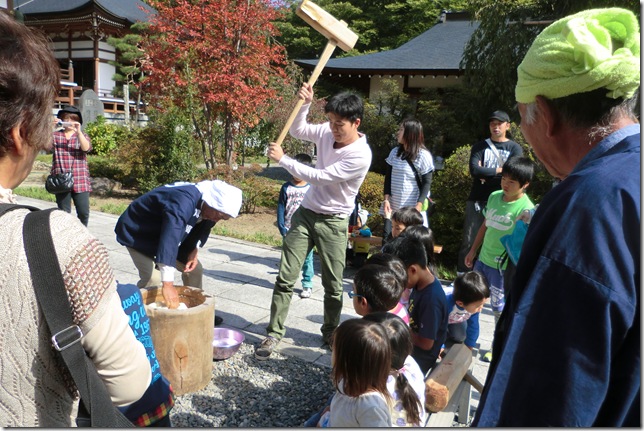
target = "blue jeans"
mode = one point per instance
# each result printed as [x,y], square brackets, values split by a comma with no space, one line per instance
[494,277]
[307,271]
[312,422]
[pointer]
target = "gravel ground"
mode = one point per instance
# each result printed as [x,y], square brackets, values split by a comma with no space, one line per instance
[244,392]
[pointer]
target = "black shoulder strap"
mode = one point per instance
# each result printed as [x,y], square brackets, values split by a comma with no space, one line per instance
[9,207]
[52,297]
[416,174]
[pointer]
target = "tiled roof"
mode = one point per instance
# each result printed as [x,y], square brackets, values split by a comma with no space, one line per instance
[438,50]
[126,9]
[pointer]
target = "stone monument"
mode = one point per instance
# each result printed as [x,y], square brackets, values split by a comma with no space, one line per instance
[90,106]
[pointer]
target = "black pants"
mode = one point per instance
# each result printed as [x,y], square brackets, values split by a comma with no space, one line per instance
[81,202]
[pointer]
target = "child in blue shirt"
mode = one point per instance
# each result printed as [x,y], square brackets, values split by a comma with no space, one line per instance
[427,301]
[291,196]
[464,305]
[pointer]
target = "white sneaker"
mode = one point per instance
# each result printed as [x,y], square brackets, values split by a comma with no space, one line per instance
[306,293]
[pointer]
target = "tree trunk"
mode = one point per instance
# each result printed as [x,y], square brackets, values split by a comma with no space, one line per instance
[203,139]
[228,138]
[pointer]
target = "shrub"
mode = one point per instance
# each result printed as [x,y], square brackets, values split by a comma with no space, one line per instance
[257,191]
[450,189]
[104,167]
[105,137]
[163,152]
[371,195]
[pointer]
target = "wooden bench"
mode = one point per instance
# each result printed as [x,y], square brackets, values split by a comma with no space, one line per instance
[376,241]
[448,388]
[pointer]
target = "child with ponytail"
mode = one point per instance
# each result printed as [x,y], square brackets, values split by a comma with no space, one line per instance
[406,383]
[361,363]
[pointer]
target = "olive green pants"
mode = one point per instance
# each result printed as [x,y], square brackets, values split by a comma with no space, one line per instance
[329,235]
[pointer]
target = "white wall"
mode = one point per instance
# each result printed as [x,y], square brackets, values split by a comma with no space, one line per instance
[105,73]
[106,51]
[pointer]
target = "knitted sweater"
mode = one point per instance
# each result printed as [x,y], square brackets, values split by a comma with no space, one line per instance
[35,388]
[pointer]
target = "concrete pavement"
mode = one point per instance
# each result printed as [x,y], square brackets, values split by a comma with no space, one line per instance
[240,276]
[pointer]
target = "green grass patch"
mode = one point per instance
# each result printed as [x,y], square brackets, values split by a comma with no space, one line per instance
[260,160]
[35,193]
[111,208]
[45,158]
[258,237]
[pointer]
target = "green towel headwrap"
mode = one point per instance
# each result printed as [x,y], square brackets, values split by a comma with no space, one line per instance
[598,48]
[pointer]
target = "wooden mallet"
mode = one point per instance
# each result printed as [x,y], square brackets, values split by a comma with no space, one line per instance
[337,33]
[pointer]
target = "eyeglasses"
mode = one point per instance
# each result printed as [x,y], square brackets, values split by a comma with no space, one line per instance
[352,294]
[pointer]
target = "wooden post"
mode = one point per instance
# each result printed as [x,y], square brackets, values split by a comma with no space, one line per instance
[446,376]
[126,103]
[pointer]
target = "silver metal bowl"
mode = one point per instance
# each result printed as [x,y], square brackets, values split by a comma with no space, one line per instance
[226,342]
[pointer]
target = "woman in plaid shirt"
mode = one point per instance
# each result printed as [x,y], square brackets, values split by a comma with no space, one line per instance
[71,146]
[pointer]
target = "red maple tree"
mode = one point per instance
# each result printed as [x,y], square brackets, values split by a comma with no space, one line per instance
[217,59]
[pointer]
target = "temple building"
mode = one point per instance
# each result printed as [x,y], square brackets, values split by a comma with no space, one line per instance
[430,60]
[79,30]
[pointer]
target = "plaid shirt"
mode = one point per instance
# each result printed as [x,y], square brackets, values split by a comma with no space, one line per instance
[157,414]
[69,156]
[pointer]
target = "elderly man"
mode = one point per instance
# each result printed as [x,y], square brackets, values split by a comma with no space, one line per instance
[165,227]
[567,346]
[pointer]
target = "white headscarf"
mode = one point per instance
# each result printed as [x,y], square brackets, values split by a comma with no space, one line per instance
[221,196]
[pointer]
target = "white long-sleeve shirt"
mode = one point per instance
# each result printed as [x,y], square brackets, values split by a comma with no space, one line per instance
[338,174]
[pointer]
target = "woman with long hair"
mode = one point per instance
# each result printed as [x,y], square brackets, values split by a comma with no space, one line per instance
[410,167]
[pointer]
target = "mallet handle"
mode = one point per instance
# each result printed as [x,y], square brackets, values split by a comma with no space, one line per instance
[326,54]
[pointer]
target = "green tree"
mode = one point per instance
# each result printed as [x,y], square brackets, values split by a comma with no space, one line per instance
[129,57]
[507,29]
[106,137]
[380,24]
[382,115]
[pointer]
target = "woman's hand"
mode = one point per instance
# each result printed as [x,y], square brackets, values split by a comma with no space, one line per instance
[386,208]
[419,207]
